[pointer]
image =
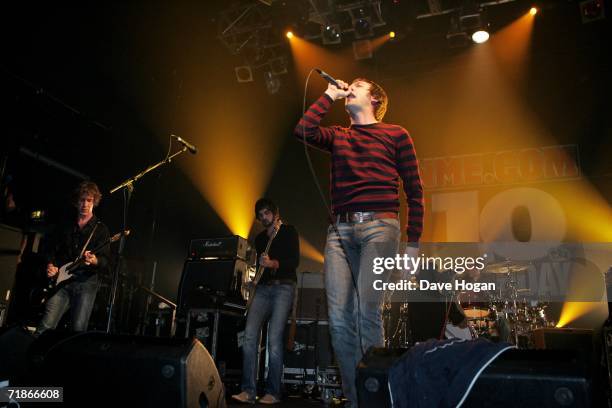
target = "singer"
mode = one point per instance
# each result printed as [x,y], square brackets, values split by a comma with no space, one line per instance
[368,158]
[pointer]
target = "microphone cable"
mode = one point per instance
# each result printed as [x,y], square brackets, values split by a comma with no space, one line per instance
[330,213]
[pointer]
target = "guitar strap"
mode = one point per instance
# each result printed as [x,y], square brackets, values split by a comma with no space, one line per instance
[88,239]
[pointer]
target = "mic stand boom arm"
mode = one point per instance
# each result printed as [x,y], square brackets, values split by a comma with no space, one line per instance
[128,185]
[131,181]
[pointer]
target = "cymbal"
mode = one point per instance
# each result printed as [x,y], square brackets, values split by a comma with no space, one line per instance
[506,267]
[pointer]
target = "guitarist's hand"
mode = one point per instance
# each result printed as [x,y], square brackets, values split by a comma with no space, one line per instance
[266,262]
[52,270]
[90,259]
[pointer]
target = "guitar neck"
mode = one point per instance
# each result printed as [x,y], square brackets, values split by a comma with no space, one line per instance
[261,269]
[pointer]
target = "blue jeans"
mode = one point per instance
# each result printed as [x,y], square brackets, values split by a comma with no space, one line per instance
[356,322]
[273,302]
[79,297]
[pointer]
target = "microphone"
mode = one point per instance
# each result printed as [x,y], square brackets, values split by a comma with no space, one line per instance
[328,78]
[192,149]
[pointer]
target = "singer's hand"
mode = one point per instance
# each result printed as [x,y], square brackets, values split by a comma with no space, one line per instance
[338,93]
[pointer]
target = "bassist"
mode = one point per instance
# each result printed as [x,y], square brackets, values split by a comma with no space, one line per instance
[71,242]
[272,301]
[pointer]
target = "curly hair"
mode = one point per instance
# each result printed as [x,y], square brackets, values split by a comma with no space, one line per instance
[87,188]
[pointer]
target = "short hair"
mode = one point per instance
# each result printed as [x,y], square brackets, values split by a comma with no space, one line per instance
[263,204]
[89,188]
[380,95]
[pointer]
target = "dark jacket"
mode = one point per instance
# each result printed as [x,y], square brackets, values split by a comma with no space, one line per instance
[68,240]
[285,249]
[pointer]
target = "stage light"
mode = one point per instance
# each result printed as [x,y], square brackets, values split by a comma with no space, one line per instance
[244,73]
[592,10]
[273,83]
[363,27]
[289,34]
[392,34]
[574,310]
[307,250]
[331,34]
[533,11]
[480,36]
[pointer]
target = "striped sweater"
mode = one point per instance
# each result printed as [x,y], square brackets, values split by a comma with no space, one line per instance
[367,162]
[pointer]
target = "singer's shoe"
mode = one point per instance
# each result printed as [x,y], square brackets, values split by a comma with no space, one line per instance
[244,397]
[269,399]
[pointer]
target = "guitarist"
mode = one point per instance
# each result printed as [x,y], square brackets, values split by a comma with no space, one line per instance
[272,302]
[72,241]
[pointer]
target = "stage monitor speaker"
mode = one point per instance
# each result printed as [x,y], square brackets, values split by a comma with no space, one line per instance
[203,280]
[542,378]
[373,376]
[14,344]
[113,370]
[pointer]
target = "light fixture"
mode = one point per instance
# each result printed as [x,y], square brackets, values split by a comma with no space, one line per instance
[330,34]
[533,11]
[592,10]
[362,24]
[456,37]
[473,22]
[363,27]
[278,65]
[289,34]
[480,36]
[244,73]
[272,82]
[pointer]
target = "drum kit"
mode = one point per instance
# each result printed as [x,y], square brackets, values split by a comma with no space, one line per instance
[508,314]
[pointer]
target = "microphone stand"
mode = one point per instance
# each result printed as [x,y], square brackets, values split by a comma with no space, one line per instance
[128,187]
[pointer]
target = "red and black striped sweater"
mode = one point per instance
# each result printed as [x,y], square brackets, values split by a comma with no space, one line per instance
[367,162]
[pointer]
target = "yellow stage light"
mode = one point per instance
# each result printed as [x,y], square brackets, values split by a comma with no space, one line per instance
[309,251]
[392,34]
[480,36]
[533,11]
[573,310]
[289,34]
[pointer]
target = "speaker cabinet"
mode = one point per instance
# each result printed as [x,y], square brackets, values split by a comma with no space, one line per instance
[534,378]
[14,343]
[202,281]
[373,376]
[113,370]
[554,338]
[542,378]
[10,245]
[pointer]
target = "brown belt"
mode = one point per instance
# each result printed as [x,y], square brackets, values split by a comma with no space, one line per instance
[364,216]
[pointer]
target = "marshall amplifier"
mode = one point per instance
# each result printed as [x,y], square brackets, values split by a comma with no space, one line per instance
[231,247]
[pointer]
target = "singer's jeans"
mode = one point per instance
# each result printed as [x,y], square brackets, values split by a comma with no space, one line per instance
[79,297]
[273,302]
[351,317]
